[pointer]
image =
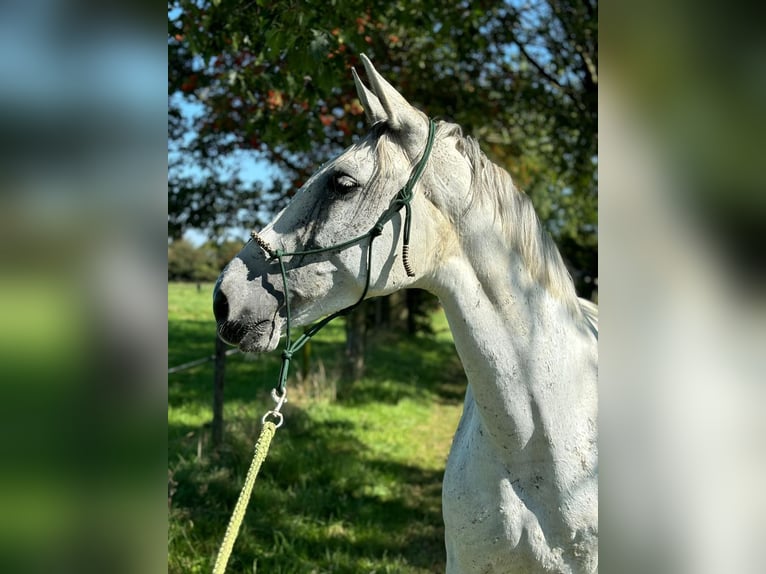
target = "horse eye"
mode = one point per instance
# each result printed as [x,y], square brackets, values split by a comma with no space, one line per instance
[343,183]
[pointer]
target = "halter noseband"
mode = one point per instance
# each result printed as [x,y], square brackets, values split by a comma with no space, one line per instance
[402,200]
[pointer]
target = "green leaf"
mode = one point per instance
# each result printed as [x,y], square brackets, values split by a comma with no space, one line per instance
[320,44]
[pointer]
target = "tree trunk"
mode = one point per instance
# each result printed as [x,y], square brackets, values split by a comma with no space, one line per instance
[306,362]
[412,299]
[382,312]
[218,377]
[356,334]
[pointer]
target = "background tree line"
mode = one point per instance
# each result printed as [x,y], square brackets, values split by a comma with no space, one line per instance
[204,263]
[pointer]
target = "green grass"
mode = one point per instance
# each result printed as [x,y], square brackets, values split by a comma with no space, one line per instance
[352,482]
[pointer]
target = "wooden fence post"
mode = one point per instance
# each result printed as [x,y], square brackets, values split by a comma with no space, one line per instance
[218,378]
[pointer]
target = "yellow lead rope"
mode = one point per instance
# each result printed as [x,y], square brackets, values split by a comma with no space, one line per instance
[261,450]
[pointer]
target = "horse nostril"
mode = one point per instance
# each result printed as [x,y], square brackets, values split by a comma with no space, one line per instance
[220,306]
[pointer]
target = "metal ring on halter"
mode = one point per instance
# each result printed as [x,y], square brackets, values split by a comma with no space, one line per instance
[280,400]
[280,419]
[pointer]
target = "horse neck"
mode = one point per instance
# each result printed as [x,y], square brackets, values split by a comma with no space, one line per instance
[524,348]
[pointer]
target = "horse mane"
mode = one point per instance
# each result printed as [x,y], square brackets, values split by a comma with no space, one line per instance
[518,220]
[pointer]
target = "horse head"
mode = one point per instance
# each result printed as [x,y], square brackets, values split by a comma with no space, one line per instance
[352,196]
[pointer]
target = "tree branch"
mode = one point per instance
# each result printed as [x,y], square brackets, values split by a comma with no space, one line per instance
[537,66]
[515,18]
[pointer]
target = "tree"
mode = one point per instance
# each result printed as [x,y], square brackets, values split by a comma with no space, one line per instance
[187,263]
[273,78]
[203,263]
[224,252]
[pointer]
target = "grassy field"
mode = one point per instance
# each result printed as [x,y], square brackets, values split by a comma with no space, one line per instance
[352,483]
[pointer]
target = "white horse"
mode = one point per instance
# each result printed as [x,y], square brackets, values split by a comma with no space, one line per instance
[520,490]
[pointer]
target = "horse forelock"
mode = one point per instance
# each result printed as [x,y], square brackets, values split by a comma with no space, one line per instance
[493,187]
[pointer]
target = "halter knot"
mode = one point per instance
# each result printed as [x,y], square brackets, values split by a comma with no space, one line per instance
[377,229]
[287,355]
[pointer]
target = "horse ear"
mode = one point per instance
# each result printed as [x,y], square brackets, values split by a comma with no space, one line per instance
[401,116]
[370,102]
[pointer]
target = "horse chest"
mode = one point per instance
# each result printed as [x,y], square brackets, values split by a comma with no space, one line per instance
[497,520]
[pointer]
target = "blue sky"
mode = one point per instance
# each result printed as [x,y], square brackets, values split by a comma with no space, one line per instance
[250,167]
[252,170]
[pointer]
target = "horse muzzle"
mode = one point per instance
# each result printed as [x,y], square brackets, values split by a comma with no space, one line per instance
[246,317]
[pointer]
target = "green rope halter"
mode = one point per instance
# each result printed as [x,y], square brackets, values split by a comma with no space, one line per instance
[402,200]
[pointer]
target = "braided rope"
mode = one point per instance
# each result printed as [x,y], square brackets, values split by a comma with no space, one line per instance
[261,450]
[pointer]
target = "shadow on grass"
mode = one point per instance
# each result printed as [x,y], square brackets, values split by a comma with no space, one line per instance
[419,367]
[323,501]
[189,340]
[321,504]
